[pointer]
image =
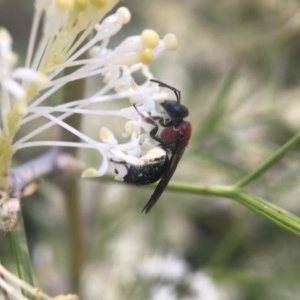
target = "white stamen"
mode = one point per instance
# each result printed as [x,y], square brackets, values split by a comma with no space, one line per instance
[66,27]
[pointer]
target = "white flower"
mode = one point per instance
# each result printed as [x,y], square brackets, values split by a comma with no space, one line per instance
[164,292]
[170,270]
[205,288]
[66,26]
[168,267]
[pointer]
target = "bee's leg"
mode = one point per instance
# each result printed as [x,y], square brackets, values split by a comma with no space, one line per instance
[153,132]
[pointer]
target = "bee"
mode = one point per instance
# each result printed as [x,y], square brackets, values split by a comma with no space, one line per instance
[173,139]
[161,162]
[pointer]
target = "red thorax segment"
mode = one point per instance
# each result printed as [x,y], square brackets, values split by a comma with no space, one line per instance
[171,134]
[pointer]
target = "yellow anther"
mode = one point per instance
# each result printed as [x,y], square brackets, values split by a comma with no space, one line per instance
[150,38]
[5,36]
[129,126]
[81,5]
[124,14]
[146,57]
[64,5]
[107,136]
[171,42]
[11,58]
[89,173]
[99,3]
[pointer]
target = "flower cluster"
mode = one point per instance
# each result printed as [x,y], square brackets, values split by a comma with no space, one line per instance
[175,280]
[71,28]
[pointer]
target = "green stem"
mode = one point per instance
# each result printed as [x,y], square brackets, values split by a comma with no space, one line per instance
[20,246]
[270,161]
[71,189]
[211,190]
[270,211]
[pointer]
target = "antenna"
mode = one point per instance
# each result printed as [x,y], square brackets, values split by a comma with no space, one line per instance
[176,92]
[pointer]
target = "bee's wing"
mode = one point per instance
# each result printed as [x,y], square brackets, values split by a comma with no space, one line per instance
[176,156]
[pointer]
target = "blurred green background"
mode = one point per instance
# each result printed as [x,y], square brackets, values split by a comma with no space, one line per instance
[237,67]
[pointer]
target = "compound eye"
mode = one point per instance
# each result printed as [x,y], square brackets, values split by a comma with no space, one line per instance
[175,110]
